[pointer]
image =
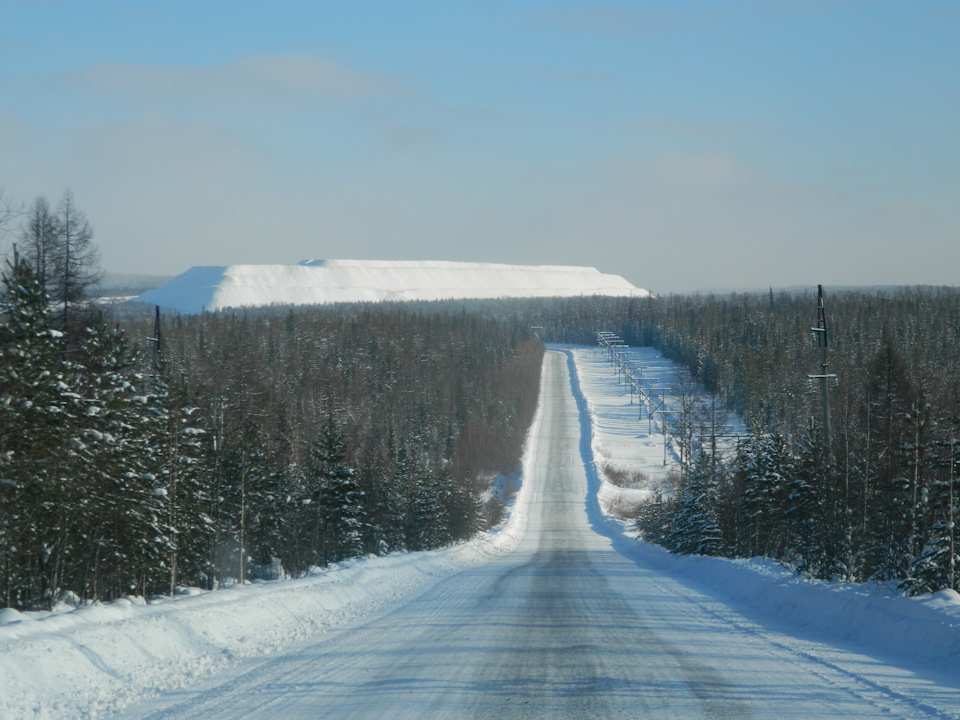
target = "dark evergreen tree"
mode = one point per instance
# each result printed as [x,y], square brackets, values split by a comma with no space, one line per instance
[936,566]
[816,532]
[389,507]
[133,482]
[463,507]
[765,466]
[340,498]
[428,527]
[177,449]
[655,519]
[36,402]
[295,520]
[269,517]
[695,529]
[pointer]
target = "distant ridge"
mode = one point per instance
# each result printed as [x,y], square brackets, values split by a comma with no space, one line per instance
[319,282]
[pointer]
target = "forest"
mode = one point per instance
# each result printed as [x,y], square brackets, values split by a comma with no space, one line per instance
[880,502]
[142,452]
[145,453]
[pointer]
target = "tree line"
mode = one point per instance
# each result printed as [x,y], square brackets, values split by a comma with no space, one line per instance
[881,502]
[237,445]
[407,416]
[144,453]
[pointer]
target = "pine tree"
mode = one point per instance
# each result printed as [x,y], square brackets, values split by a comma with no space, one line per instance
[122,469]
[885,508]
[765,468]
[655,519]
[816,532]
[175,445]
[287,524]
[936,567]
[428,528]
[695,529]
[340,498]
[463,508]
[389,506]
[268,489]
[35,427]
[396,503]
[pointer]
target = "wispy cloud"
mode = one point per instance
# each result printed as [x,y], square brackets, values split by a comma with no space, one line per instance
[260,81]
[712,168]
[678,170]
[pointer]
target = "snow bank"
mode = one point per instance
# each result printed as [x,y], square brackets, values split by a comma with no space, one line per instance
[627,444]
[317,282]
[623,438]
[876,619]
[94,660]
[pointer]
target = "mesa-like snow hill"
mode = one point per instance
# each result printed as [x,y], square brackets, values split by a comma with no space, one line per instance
[320,282]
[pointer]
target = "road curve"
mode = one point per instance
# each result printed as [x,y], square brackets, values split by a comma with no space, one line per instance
[564,626]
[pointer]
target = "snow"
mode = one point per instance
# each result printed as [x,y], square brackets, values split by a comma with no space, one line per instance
[94,661]
[627,437]
[317,282]
[924,628]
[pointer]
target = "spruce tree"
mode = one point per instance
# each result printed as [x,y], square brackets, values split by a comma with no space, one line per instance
[695,529]
[176,446]
[428,529]
[936,567]
[816,531]
[128,498]
[36,426]
[765,466]
[337,497]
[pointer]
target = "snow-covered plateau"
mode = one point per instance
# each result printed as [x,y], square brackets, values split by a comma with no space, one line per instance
[319,282]
[559,612]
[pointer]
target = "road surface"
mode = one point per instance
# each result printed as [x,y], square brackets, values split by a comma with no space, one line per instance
[564,626]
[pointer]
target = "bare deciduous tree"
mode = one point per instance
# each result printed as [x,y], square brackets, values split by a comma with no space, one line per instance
[77,266]
[38,241]
[8,211]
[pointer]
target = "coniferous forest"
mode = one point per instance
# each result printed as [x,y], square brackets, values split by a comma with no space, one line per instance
[139,456]
[139,453]
[881,502]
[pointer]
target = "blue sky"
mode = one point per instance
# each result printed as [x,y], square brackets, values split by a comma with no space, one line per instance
[683,145]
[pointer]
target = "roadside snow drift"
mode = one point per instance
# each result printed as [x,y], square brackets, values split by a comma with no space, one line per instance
[93,661]
[318,282]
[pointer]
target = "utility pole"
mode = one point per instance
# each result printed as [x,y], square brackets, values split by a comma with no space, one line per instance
[155,342]
[825,378]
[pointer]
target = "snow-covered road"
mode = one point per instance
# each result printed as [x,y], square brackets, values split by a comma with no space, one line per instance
[571,622]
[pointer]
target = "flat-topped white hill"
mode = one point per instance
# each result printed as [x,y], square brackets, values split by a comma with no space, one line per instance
[319,282]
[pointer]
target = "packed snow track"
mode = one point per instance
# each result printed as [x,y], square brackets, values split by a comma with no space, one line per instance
[564,626]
